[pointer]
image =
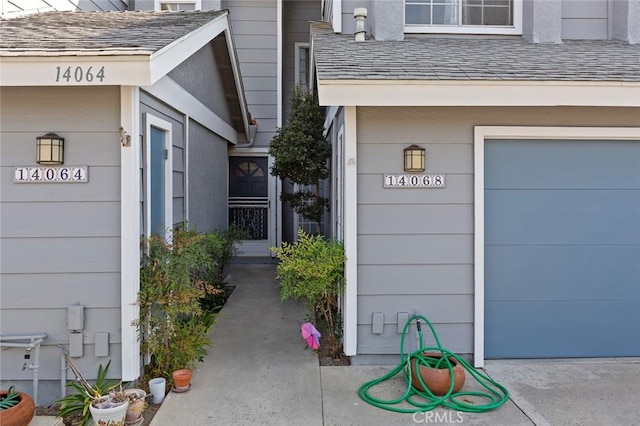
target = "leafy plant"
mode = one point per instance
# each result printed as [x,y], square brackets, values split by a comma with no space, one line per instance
[222,245]
[86,394]
[11,399]
[175,277]
[301,153]
[312,270]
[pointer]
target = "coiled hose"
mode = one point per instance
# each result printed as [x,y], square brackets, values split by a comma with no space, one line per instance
[421,401]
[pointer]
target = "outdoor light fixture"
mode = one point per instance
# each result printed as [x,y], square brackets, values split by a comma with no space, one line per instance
[414,159]
[50,149]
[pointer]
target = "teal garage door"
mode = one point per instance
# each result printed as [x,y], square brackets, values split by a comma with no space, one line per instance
[562,249]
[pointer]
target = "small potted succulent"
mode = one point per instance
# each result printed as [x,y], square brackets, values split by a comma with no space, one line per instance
[105,402]
[16,408]
[137,404]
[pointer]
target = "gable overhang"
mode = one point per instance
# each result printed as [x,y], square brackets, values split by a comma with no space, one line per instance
[477,93]
[118,67]
[129,68]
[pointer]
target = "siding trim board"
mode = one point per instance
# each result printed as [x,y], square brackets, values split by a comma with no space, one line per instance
[477,93]
[482,133]
[173,94]
[351,232]
[130,232]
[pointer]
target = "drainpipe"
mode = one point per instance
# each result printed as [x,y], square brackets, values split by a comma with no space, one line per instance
[13,341]
[251,135]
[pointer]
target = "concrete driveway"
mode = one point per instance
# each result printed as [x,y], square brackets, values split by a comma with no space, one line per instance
[259,373]
[543,392]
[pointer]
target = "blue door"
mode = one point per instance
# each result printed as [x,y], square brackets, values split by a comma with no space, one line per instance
[562,249]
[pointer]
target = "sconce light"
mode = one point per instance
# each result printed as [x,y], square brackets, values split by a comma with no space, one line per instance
[50,149]
[414,159]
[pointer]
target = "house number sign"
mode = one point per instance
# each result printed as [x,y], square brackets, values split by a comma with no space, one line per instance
[414,181]
[58,174]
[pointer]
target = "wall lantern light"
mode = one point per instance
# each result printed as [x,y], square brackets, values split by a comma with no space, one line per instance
[50,149]
[414,159]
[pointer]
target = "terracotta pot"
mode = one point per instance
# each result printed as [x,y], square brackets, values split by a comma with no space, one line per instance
[181,378]
[437,380]
[20,414]
[136,408]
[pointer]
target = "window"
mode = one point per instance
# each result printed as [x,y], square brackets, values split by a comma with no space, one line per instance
[178,5]
[302,65]
[464,16]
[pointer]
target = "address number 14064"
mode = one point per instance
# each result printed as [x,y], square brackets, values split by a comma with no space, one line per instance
[414,181]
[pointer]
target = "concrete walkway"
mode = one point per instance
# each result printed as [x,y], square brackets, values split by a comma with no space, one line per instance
[259,373]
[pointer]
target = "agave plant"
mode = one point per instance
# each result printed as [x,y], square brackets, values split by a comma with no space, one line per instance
[11,399]
[86,394]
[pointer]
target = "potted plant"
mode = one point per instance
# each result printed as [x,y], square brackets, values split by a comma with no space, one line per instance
[16,408]
[137,403]
[105,402]
[181,380]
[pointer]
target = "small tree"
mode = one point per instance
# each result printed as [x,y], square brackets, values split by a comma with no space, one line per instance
[301,154]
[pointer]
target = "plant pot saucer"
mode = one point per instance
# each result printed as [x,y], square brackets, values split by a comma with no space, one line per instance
[182,389]
[136,422]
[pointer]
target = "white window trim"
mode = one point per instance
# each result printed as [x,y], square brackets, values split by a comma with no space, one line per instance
[515,29]
[157,6]
[153,121]
[482,133]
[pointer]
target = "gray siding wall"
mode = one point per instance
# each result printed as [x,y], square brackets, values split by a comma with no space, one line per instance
[415,246]
[200,76]
[150,105]
[17,8]
[60,242]
[585,19]
[207,152]
[254,27]
[297,15]
[208,171]
[149,4]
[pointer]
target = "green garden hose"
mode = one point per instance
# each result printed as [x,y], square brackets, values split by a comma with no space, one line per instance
[421,401]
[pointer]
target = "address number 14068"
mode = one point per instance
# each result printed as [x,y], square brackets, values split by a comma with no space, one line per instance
[414,181]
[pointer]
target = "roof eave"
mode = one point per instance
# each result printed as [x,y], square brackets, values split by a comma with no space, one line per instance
[477,93]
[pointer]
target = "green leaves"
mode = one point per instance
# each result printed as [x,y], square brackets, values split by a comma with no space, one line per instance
[301,154]
[312,270]
[176,276]
[10,400]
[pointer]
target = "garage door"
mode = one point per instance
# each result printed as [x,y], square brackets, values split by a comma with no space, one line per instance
[562,249]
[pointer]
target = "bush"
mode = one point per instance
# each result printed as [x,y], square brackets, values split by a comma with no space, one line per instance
[174,277]
[312,270]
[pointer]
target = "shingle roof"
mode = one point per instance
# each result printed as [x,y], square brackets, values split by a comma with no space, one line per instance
[97,33]
[424,58]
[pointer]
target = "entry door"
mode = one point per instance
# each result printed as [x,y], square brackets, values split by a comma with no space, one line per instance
[158,186]
[249,202]
[562,248]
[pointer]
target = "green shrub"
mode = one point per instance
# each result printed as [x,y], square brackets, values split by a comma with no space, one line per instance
[174,277]
[312,270]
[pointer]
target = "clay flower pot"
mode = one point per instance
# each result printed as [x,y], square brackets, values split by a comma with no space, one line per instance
[137,401]
[20,414]
[181,379]
[437,380]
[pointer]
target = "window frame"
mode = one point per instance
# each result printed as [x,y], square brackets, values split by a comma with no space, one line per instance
[515,29]
[157,4]
[298,47]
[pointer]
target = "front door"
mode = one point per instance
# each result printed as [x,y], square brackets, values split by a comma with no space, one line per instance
[249,202]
